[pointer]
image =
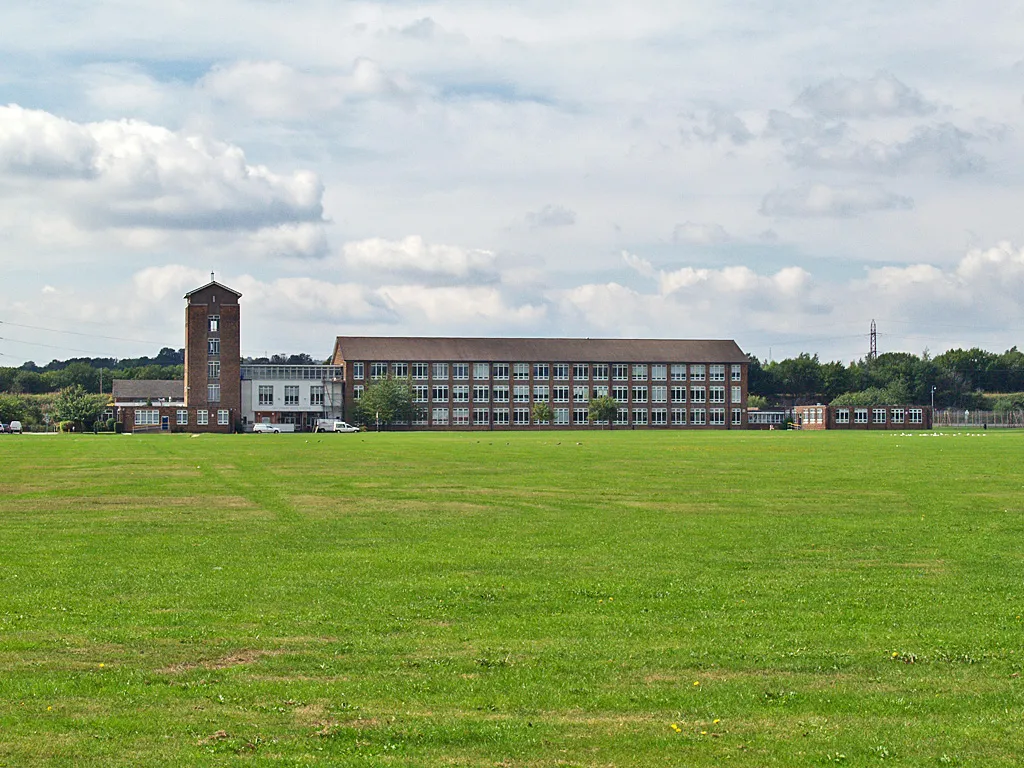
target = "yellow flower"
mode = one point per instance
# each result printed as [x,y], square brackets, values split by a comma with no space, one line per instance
[49,709]
[676,728]
[717,720]
[696,682]
[703,733]
[895,654]
[101,665]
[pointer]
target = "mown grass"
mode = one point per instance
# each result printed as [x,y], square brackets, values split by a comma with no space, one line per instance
[592,599]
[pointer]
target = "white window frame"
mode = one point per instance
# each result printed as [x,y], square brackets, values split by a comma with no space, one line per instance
[182,417]
[202,417]
[223,417]
[599,372]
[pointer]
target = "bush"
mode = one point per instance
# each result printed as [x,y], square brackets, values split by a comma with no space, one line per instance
[66,426]
[110,425]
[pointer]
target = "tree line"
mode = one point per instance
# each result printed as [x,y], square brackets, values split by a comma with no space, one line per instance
[962,378]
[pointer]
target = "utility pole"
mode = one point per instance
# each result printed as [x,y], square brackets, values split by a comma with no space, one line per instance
[874,342]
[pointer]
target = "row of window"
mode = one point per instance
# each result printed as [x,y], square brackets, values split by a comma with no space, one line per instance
[544,371]
[542,393]
[265,394]
[152,418]
[461,417]
[880,416]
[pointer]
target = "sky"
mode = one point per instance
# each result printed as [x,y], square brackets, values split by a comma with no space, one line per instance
[775,173]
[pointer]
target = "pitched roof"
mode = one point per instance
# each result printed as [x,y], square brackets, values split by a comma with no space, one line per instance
[410,348]
[148,389]
[213,284]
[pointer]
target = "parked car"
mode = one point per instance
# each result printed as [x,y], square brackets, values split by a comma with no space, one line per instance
[14,427]
[331,425]
[270,428]
[3,428]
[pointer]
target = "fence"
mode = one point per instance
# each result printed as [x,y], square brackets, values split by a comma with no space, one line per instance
[954,417]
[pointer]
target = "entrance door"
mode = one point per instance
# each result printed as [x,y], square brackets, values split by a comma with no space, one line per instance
[165,423]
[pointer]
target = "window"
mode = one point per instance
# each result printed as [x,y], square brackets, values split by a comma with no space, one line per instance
[521,416]
[521,371]
[737,417]
[420,371]
[501,416]
[400,370]
[420,393]
[580,371]
[460,417]
[678,371]
[439,393]
[183,417]
[213,346]
[737,373]
[202,417]
[460,371]
[659,394]
[621,394]
[716,373]
[897,415]
[640,416]
[440,371]
[541,371]
[357,370]
[378,370]
[580,416]
[540,393]
[213,369]
[878,416]
[698,395]
[147,418]
[580,394]
[460,394]
[481,416]
[316,394]
[678,415]
[659,372]
[736,396]
[420,417]
[357,391]
[521,393]
[916,415]
[860,416]
[222,417]
[214,323]
[561,416]
[601,390]
[560,394]
[265,394]
[560,371]
[620,372]
[678,394]
[439,416]
[716,394]
[481,393]
[481,371]
[843,416]
[291,395]
[640,372]
[717,416]
[697,372]
[639,394]
[213,393]
[501,393]
[500,371]
[600,371]
[697,417]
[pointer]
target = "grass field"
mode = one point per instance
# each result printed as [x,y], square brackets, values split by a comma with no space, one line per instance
[588,599]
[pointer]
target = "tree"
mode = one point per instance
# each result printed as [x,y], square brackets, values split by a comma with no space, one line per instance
[387,400]
[542,413]
[11,408]
[74,404]
[604,408]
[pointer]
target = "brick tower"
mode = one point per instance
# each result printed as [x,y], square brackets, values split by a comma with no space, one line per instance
[213,355]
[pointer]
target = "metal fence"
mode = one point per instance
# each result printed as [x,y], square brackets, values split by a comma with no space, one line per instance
[954,417]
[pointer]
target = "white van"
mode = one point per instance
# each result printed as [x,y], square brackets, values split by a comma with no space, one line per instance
[14,427]
[331,425]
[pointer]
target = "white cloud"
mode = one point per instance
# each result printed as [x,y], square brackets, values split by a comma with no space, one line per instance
[882,95]
[551,216]
[821,200]
[413,255]
[460,307]
[134,174]
[700,234]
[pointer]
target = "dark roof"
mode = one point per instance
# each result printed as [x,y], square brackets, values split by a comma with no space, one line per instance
[214,284]
[148,389]
[407,349]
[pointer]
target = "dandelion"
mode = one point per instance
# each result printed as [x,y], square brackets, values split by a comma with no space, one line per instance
[49,709]
[716,721]
[703,733]
[676,728]
[696,682]
[102,665]
[895,654]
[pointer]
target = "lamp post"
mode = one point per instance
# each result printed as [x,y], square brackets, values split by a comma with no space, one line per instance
[933,402]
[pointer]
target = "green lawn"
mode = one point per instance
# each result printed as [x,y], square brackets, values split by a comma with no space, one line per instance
[591,599]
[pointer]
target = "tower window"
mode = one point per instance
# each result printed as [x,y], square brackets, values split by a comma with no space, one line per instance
[214,323]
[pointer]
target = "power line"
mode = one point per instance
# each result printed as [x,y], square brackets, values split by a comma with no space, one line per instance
[76,333]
